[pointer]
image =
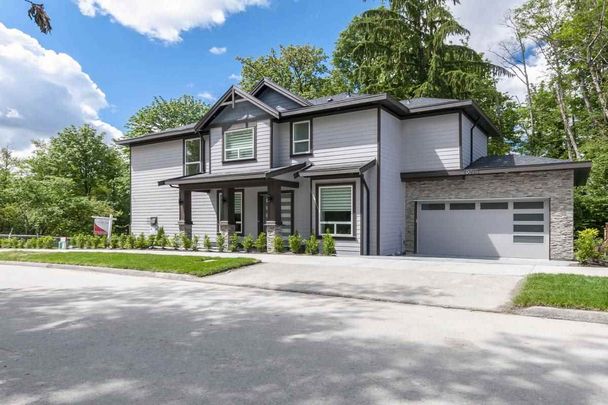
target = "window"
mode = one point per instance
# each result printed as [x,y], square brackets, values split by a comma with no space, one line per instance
[238,210]
[238,144]
[462,206]
[336,210]
[300,141]
[495,206]
[528,217]
[433,207]
[528,239]
[527,205]
[192,156]
[528,228]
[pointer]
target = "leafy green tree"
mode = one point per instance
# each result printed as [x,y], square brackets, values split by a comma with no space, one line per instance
[300,69]
[163,114]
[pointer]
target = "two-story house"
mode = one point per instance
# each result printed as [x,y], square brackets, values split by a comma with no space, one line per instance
[383,176]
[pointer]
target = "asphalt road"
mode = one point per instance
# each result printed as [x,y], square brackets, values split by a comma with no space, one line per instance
[78,337]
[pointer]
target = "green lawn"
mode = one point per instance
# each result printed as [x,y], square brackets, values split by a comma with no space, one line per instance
[564,291]
[195,265]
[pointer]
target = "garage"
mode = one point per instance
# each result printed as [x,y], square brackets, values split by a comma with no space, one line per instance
[490,228]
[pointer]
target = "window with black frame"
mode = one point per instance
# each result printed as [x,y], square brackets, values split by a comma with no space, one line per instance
[336,210]
[192,156]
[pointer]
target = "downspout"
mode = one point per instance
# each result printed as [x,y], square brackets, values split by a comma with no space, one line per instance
[367,214]
[471,143]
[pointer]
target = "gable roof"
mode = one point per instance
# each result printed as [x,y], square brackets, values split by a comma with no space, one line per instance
[231,94]
[267,83]
[165,134]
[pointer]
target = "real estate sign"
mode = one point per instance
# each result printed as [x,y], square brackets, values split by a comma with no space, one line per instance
[102,226]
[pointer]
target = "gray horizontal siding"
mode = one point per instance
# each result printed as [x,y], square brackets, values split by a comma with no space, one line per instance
[339,139]
[150,164]
[480,144]
[431,143]
[466,141]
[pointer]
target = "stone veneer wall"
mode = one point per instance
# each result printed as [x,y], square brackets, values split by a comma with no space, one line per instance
[556,185]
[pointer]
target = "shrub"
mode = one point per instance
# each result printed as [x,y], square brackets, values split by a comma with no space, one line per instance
[115,241]
[207,243]
[46,242]
[587,246]
[248,243]
[295,243]
[141,242]
[129,242]
[220,241]
[161,238]
[90,242]
[278,244]
[312,245]
[328,245]
[151,241]
[260,243]
[176,241]
[122,241]
[30,243]
[195,243]
[233,246]
[186,242]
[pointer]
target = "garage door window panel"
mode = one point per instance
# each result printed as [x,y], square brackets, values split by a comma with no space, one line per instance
[529,228]
[529,217]
[494,206]
[432,207]
[528,239]
[528,205]
[462,206]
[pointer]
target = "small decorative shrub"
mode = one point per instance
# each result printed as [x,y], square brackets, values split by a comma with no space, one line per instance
[140,242]
[278,244]
[207,243]
[587,246]
[186,242]
[130,242]
[91,242]
[295,243]
[260,243]
[176,241]
[195,243]
[46,242]
[312,245]
[30,243]
[233,246]
[220,241]
[151,241]
[328,245]
[248,243]
[115,242]
[122,241]
[161,238]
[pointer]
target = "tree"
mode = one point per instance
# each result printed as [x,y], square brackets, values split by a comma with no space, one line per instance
[40,17]
[300,69]
[163,114]
[407,50]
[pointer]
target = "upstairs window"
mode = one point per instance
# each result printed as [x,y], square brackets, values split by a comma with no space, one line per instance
[192,156]
[300,141]
[239,144]
[336,210]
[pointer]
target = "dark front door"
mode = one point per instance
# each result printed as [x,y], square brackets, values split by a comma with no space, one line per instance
[286,212]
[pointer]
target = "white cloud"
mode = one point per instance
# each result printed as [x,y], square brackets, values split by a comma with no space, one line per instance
[207,96]
[42,92]
[486,22]
[235,77]
[166,20]
[218,51]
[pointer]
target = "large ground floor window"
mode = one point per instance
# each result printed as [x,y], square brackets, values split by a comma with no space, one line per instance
[238,210]
[336,210]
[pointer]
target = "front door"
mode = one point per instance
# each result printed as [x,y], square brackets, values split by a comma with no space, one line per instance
[286,212]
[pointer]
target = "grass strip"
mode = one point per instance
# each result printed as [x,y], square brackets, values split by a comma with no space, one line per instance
[199,266]
[564,291]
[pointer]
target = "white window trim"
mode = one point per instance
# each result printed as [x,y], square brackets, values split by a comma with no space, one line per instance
[200,152]
[293,140]
[352,214]
[226,133]
[219,208]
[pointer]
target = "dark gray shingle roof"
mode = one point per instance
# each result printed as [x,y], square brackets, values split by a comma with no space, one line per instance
[336,97]
[426,102]
[488,162]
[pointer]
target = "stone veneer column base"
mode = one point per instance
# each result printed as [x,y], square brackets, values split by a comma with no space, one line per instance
[226,229]
[272,230]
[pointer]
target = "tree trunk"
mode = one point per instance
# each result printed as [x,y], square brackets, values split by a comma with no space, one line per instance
[559,92]
[585,95]
[595,79]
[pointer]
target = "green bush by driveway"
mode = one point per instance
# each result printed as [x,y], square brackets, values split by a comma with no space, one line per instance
[564,291]
[194,265]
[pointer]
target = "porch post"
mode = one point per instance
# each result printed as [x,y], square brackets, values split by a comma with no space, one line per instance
[185,212]
[274,222]
[227,221]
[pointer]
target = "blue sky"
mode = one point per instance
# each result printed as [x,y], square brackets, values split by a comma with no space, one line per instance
[107,58]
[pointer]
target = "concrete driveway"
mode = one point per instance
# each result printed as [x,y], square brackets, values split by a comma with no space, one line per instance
[93,338]
[454,283]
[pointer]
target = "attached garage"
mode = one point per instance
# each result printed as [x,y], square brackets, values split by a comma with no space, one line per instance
[490,228]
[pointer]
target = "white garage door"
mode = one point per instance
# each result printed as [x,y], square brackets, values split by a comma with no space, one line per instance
[483,228]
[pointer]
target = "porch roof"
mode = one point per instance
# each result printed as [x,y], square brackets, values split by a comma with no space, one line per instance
[353,168]
[237,179]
